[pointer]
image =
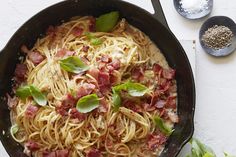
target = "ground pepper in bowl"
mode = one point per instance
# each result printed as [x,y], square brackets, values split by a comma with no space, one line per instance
[217,37]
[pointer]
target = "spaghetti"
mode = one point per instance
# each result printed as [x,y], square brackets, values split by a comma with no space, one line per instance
[124,62]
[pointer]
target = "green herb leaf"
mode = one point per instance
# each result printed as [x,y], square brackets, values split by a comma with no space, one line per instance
[136,89]
[200,150]
[73,64]
[116,100]
[106,22]
[162,126]
[38,96]
[87,103]
[23,92]
[94,40]
[227,155]
[14,129]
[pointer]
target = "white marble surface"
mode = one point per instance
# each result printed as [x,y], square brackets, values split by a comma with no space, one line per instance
[215,77]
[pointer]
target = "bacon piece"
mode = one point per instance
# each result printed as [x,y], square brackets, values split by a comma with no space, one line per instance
[31,111]
[64,53]
[156,139]
[137,73]
[78,31]
[66,104]
[51,31]
[36,57]
[160,104]
[85,89]
[94,153]
[173,117]
[93,72]
[49,154]
[115,64]
[171,102]
[75,114]
[106,59]
[149,108]
[85,48]
[20,72]
[103,107]
[92,24]
[103,81]
[157,69]
[132,105]
[11,102]
[31,145]
[168,73]
[62,153]
[164,86]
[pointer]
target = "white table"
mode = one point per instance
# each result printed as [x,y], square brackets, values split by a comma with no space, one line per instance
[215,115]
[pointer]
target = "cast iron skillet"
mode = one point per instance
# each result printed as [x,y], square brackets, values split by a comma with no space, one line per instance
[155,26]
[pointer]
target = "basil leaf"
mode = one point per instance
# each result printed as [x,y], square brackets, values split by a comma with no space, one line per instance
[38,96]
[227,155]
[106,22]
[116,100]
[208,155]
[73,64]
[136,89]
[162,126]
[94,41]
[23,92]
[87,103]
[200,150]
[14,129]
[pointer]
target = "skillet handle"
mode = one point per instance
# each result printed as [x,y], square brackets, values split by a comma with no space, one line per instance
[159,14]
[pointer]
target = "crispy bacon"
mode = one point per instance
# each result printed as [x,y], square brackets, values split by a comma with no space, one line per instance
[137,73]
[156,139]
[157,69]
[31,145]
[66,104]
[160,104]
[57,153]
[36,57]
[171,102]
[62,153]
[173,117]
[85,89]
[49,154]
[85,48]
[75,114]
[168,73]
[115,64]
[93,72]
[149,108]
[20,72]
[64,53]
[92,24]
[51,31]
[31,111]
[103,81]
[132,105]
[94,153]
[78,31]
[103,107]
[11,102]
[106,58]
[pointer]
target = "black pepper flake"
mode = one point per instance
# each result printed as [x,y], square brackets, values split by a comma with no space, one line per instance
[217,37]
